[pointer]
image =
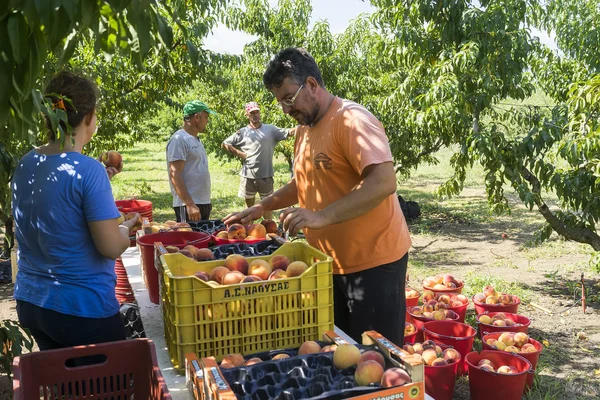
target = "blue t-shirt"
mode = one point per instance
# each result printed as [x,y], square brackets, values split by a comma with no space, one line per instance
[53,199]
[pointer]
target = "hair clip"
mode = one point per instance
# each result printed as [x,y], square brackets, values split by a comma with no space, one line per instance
[60,104]
[287,64]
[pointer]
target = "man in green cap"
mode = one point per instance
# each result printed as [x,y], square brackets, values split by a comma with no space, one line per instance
[187,164]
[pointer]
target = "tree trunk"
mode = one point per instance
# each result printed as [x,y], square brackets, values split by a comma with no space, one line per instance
[580,235]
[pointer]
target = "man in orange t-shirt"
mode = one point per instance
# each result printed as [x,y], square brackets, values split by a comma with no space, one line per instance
[345,184]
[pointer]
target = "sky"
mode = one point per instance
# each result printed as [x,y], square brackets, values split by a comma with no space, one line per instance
[338,13]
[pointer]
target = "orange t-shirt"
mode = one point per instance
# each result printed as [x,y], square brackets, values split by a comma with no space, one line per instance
[328,162]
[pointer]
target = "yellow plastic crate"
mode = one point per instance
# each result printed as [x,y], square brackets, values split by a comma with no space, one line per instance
[211,320]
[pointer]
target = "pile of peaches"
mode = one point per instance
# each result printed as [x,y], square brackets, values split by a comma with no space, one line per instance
[370,365]
[157,227]
[439,282]
[432,354]
[248,232]
[487,365]
[499,319]
[512,342]
[236,269]
[437,307]
[490,296]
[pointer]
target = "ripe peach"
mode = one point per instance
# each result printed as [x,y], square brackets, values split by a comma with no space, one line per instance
[484,361]
[409,329]
[505,299]
[236,231]
[233,277]
[500,315]
[111,159]
[172,249]
[428,295]
[296,268]
[427,314]
[374,356]
[416,310]
[277,274]
[270,225]
[253,361]
[507,338]
[218,273]
[202,275]
[410,293]
[204,255]
[428,344]
[499,345]
[438,279]
[236,262]
[183,226]
[488,291]
[345,356]
[457,304]
[441,306]
[485,319]
[409,348]
[429,355]
[257,230]
[480,298]
[511,349]
[528,348]
[427,308]
[226,365]
[491,300]
[521,338]
[186,253]
[428,282]
[438,362]
[279,262]
[280,356]
[447,279]
[439,315]
[487,367]
[222,235]
[309,347]
[450,314]
[451,355]
[260,268]
[394,377]
[369,371]
[462,298]
[499,322]
[443,298]
[251,278]
[329,348]
[507,369]
[439,286]
[236,359]
[191,249]
[170,223]
[509,322]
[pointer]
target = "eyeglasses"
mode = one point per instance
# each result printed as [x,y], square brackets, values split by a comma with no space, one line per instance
[290,102]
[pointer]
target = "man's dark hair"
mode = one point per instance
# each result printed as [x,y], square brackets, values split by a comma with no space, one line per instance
[81,92]
[295,63]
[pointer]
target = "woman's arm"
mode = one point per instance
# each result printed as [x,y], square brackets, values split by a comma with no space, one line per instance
[110,238]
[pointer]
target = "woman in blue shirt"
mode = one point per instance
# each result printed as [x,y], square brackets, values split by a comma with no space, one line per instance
[67,230]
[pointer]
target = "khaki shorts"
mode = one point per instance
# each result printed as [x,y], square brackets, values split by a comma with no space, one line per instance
[249,187]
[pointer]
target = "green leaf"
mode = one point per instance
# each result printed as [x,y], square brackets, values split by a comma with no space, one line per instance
[165,31]
[192,51]
[17,35]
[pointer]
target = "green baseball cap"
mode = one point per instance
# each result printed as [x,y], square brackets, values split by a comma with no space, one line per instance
[195,106]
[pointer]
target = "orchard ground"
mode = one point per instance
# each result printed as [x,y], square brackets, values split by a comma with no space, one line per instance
[457,236]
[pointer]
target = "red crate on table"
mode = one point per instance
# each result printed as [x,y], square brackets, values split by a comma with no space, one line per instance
[130,370]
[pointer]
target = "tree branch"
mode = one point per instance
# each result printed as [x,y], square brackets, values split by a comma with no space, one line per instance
[580,235]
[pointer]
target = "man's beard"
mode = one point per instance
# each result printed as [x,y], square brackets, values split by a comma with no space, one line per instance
[309,119]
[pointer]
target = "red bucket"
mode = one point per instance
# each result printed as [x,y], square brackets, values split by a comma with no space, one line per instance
[521,324]
[439,380]
[487,385]
[179,239]
[461,311]
[418,321]
[139,206]
[452,333]
[410,338]
[480,308]
[411,302]
[458,289]
[531,357]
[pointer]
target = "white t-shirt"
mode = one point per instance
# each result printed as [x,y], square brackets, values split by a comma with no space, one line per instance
[183,146]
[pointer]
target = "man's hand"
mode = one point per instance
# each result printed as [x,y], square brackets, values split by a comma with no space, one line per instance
[111,171]
[294,219]
[248,215]
[134,221]
[193,212]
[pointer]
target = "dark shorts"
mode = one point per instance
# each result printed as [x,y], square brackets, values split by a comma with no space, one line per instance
[54,330]
[181,212]
[372,299]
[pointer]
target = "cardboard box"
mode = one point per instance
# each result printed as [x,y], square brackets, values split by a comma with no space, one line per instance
[217,388]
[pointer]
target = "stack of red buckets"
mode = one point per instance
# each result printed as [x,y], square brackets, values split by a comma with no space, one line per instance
[123,290]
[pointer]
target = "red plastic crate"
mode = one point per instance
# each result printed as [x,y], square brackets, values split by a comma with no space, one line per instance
[130,370]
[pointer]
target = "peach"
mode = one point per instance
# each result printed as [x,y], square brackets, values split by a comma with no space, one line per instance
[236,262]
[428,282]
[507,338]
[528,348]
[372,355]
[499,345]
[505,299]
[170,223]
[438,350]
[416,310]
[235,359]
[484,361]
[260,268]
[418,348]
[462,298]
[457,304]
[491,300]
[394,377]
[488,291]
[121,218]
[509,322]
[490,341]
[252,361]
[441,306]
[309,347]
[111,159]
[279,262]
[429,355]
[507,369]
[233,277]
[439,362]
[443,298]
[329,348]
[427,314]
[487,367]
[222,235]
[183,226]
[186,253]
[438,279]
[447,279]
[520,339]
[236,231]
[410,293]
[511,349]
[345,356]
[204,255]
[202,275]
[257,230]
[451,355]
[226,365]
[427,308]
[218,273]
[428,295]
[191,249]
[270,225]
[428,344]
[280,356]
[451,314]
[172,249]
[277,274]
[409,329]
[485,319]
[409,348]
[296,268]
[499,322]
[251,278]
[500,315]
[368,372]
[439,286]
[480,298]
[439,315]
